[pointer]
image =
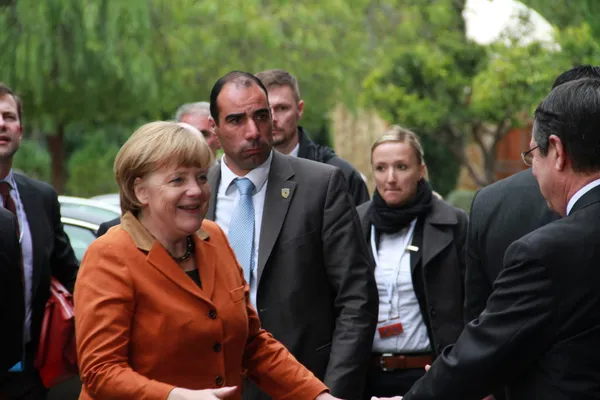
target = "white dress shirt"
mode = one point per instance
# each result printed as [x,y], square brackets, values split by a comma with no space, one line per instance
[228,197]
[579,194]
[397,299]
[26,249]
[295,150]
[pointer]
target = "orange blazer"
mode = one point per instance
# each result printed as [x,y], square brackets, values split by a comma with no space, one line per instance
[144,327]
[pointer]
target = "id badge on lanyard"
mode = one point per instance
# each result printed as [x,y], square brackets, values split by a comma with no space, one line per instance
[394,327]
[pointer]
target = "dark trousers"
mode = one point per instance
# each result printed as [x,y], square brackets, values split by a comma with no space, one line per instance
[382,383]
[26,385]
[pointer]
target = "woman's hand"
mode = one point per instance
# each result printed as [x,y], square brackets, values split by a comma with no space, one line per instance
[206,394]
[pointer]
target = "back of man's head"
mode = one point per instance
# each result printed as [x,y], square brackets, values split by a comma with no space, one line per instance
[572,113]
[581,71]
[277,78]
[200,108]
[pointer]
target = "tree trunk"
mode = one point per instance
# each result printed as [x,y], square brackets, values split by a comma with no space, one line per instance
[57,158]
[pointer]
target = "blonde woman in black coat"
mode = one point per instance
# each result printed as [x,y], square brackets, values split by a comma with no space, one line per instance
[417,243]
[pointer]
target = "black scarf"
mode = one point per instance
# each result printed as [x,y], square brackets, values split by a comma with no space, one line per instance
[388,219]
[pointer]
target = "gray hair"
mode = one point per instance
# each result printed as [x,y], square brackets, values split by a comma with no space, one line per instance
[200,107]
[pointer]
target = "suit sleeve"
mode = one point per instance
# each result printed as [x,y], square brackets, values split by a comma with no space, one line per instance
[477,286]
[510,335]
[102,229]
[104,300]
[351,277]
[63,263]
[12,309]
[270,365]
[105,226]
[358,189]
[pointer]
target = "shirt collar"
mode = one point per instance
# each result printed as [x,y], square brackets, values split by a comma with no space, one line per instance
[295,150]
[141,237]
[258,176]
[579,194]
[10,178]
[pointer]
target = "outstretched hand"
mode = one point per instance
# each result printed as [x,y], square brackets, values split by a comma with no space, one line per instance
[387,398]
[206,394]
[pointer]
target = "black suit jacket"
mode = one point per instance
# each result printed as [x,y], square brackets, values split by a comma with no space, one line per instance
[500,214]
[105,226]
[541,328]
[437,269]
[12,297]
[357,188]
[52,252]
[316,289]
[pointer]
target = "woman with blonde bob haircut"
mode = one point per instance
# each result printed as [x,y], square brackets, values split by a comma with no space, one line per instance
[417,242]
[162,305]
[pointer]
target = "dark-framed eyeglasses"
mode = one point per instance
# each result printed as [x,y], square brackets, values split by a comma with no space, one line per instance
[527,156]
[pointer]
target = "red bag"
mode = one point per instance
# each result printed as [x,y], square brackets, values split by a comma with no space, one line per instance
[56,358]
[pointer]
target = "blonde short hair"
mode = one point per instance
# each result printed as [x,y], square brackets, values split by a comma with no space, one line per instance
[154,146]
[396,133]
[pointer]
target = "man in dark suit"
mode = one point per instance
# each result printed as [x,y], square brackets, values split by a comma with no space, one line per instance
[541,326]
[499,217]
[12,297]
[45,247]
[290,138]
[297,236]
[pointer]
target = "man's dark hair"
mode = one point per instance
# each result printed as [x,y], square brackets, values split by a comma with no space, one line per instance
[572,112]
[5,90]
[239,78]
[277,77]
[581,71]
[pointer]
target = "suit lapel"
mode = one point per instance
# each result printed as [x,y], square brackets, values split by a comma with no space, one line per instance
[436,237]
[214,179]
[417,241]
[34,211]
[280,191]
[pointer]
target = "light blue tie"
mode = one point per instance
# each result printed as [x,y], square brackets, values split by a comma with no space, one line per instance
[241,227]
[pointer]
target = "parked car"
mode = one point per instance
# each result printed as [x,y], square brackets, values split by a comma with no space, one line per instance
[81,234]
[111,199]
[92,211]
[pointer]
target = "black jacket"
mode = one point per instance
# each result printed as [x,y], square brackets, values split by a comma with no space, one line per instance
[357,188]
[539,332]
[12,298]
[500,214]
[437,269]
[105,226]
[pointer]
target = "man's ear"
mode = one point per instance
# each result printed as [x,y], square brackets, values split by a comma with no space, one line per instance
[213,125]
[559,154]
[300,109]
[139,189]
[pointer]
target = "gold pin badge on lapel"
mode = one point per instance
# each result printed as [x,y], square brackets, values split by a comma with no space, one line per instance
[412,248]
[285,193]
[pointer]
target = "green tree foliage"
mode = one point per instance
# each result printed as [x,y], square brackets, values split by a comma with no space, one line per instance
[457,92]
[33,160]
[421,81]
[78,61]
[91,168]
